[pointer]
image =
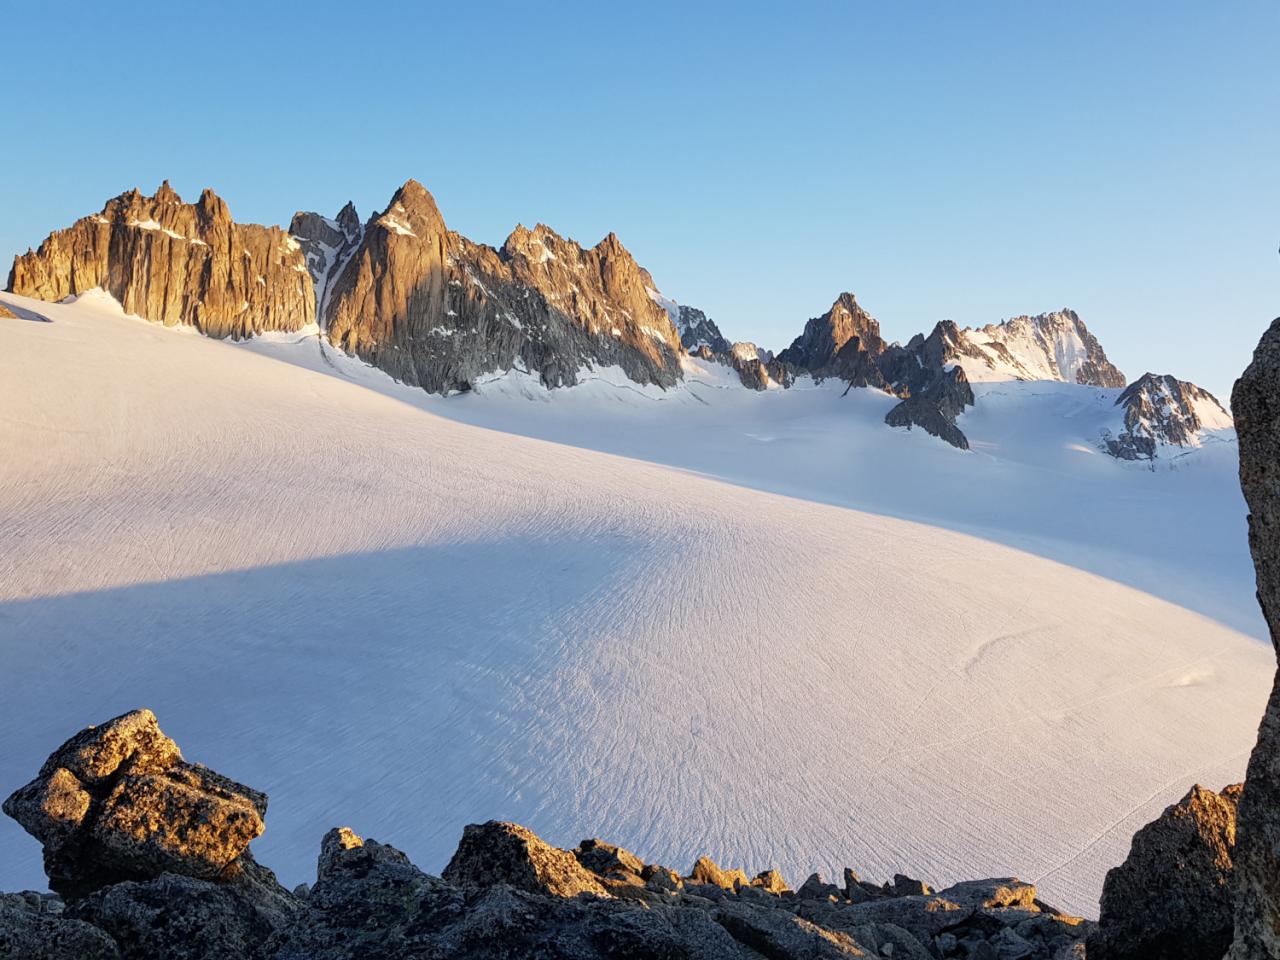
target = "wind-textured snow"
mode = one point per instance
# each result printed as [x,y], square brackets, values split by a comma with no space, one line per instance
[395,612]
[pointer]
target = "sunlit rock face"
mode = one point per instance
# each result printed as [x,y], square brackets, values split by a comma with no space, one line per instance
[437,311]
[176,263]
[1255,402]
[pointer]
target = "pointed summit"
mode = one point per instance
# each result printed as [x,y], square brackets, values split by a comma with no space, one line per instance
[412,212]
[166,194]
[349,220]
[827,335]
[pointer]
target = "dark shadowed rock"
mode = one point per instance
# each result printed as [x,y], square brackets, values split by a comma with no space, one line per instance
[497,852]
[176,263]
[184,918]
[29,933]
[817,888]
[1255,404]
[698,330]
[1172,896]
[779,933]
[904,886]
[118,802]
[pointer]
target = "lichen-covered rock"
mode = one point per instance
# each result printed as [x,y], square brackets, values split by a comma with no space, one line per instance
[1172,896]
[498,852]
[176,263]
[779,933]
[607,858]
[29,933]
[992,894]
[1255,404]
[770,881]
[118,802]
[706,870]
[817,888]
[184,918]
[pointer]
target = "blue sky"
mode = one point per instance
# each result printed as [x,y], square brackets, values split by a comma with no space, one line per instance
[941,160]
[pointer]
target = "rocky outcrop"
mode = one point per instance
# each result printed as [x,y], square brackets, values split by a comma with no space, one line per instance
[117,802]
[33,927]
[439,312]
[506,893]
[698,330]
[176,263]
[1171,898]
[1255,402]
[495,852]
[1160,412]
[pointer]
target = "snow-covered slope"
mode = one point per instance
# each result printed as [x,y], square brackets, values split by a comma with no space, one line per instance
[405,621]
[1051,346]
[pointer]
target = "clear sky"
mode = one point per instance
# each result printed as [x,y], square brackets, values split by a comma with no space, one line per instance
[970,161]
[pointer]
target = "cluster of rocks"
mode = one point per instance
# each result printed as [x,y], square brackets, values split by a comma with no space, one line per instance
[176,263]
[148,855]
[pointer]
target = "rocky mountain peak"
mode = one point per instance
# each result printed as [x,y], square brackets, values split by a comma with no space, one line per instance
[825,336]
[436,310]
[1049,346]
[412,212]
[1159,411]
[349,220]
[213,209]
[166,194]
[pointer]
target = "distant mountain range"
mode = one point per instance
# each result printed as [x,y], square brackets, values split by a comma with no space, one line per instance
[435,310]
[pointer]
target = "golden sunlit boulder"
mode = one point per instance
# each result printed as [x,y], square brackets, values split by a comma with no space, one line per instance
[117,802]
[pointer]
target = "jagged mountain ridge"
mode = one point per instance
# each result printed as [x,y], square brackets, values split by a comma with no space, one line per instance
[438,311]
[435,310]
[176,263]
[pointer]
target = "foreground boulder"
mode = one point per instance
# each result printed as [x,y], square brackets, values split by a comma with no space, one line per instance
[1255,403]
[496,852]
[117,802]
[150,852]
[1172,897]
